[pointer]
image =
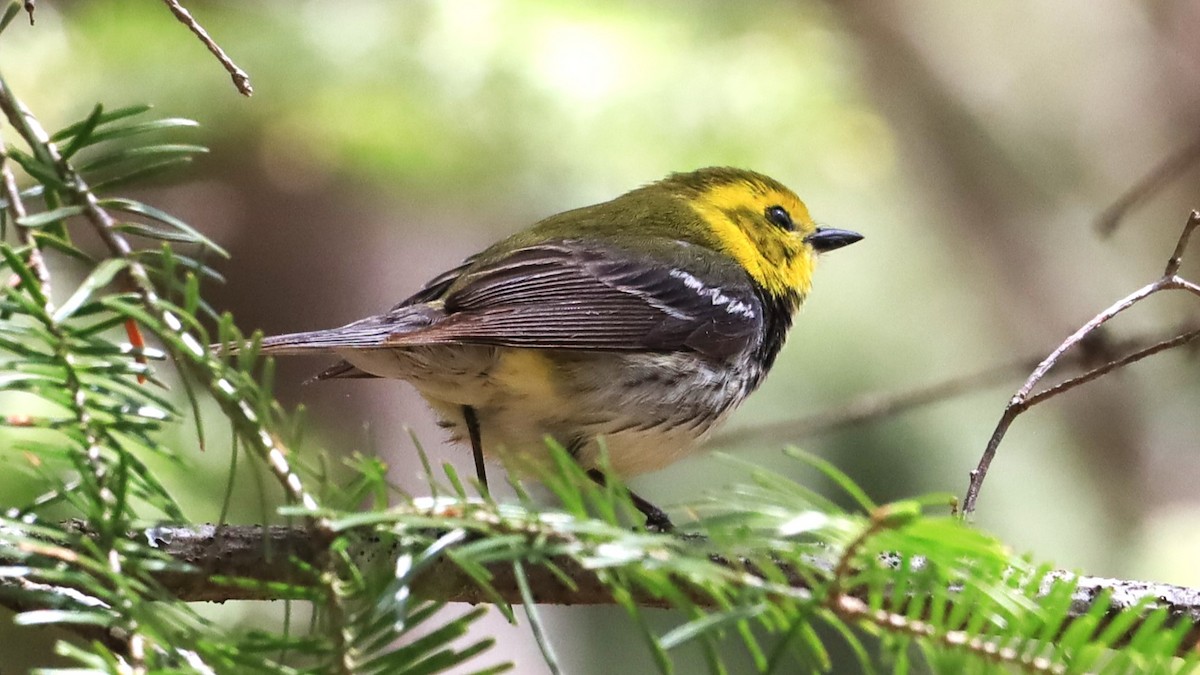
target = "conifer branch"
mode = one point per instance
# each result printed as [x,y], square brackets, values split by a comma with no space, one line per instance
[251,562]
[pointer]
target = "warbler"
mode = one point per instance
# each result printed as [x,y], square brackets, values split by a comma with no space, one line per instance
[636,325]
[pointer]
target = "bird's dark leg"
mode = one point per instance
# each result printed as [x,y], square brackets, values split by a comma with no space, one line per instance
[656,518]
[476,444]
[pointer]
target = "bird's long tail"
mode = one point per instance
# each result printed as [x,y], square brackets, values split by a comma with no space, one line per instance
[291,344]
[308,342]
[314,343]
[366,334]
[370,333]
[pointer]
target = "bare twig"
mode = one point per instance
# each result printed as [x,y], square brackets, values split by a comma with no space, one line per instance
[1025,398]
[876,406]
[1169,169]
[1178,340]
[241,80]
[872,407]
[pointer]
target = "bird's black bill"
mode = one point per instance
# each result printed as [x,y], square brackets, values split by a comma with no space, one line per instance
[828,239]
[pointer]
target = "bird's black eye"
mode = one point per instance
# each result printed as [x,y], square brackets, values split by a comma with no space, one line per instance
[780,217]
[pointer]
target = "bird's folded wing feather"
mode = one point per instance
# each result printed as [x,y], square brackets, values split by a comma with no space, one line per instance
[580,295]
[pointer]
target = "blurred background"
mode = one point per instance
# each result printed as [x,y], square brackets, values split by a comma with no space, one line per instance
[974,145]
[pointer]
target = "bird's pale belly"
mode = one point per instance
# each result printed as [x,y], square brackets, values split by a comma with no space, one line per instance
[646,410]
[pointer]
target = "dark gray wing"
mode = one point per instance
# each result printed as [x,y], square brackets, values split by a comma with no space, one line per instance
[580,295]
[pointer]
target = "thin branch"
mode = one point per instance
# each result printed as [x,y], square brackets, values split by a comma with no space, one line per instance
[1167,170]
[1177,255]
[872,407]
[1025,398]
[16,208]
[1094,373]
[73,382]
[21,595]
[250,562]
[854,609]
[241,79]
[845,563]
[876,406]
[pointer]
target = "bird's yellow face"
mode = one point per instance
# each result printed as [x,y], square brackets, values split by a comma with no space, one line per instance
[765,228]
